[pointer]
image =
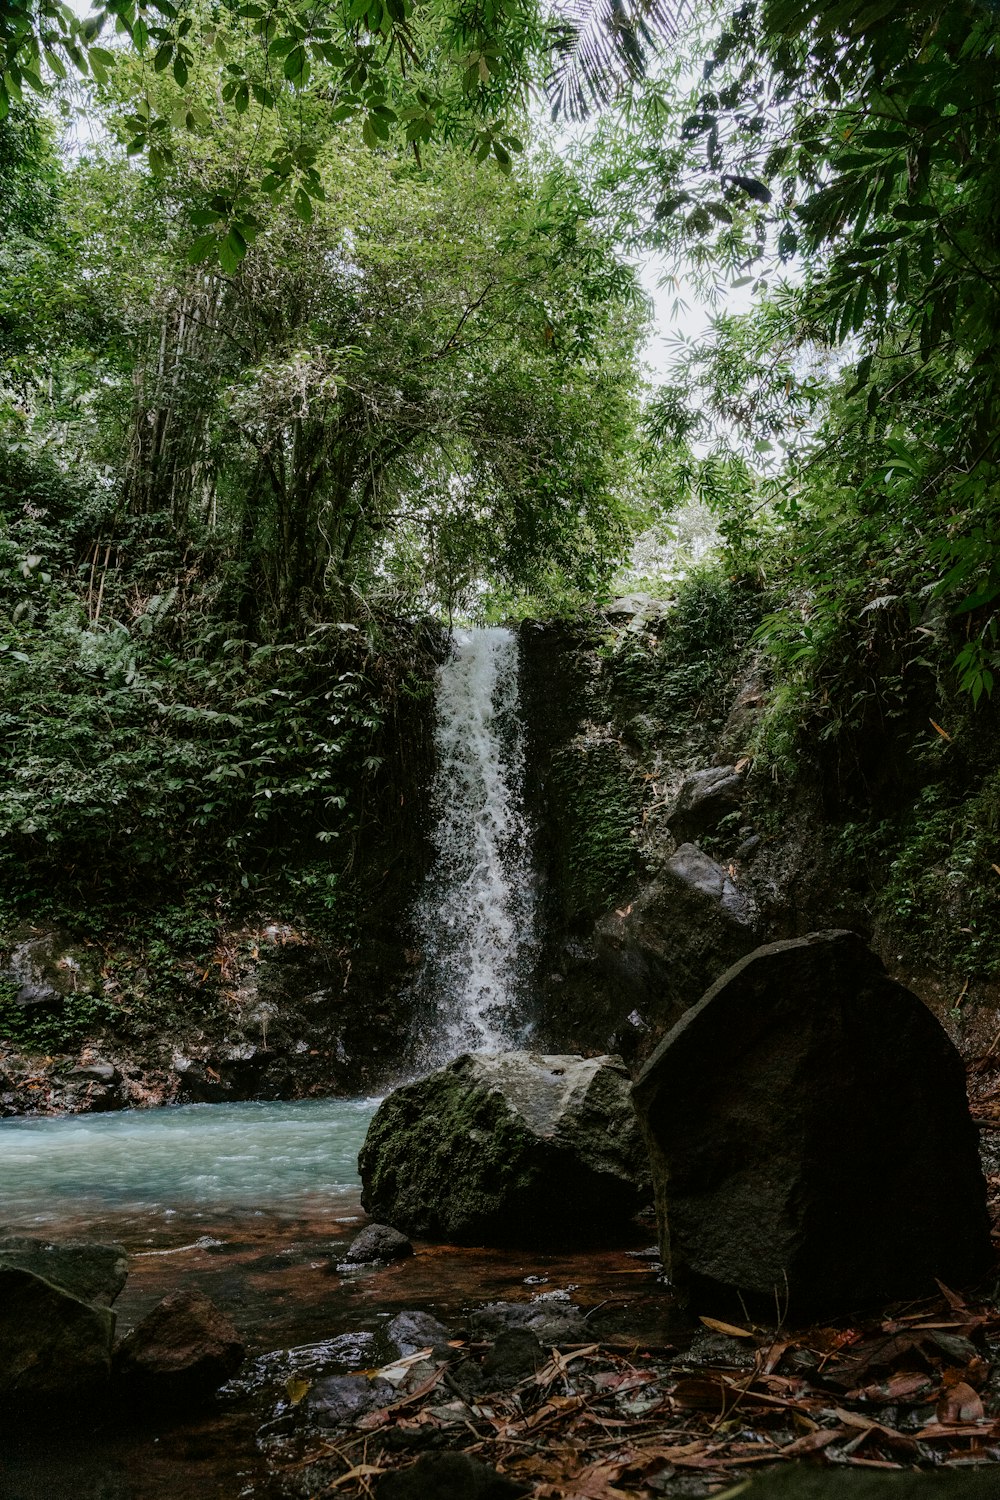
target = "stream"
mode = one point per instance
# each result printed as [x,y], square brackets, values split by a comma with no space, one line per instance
[255,1204]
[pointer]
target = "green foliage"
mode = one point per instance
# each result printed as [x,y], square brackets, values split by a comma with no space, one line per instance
[56,1028]
[211,770]
[599,811]
[933,868]
[683,676]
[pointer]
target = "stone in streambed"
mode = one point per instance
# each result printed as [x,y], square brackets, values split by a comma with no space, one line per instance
[810,1135]
[409,1331]
[183,1351]
[378,1242]
[516,1354]
[448,1476]
[56,1326]
[340,1400]
[52,1344]
[508,1149]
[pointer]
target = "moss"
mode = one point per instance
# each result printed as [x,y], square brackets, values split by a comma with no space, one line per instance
[597,817]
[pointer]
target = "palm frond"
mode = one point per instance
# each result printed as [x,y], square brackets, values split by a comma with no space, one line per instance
[600,45]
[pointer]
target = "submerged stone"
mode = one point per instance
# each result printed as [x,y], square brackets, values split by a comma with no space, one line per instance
[508,1149]
[810,1135]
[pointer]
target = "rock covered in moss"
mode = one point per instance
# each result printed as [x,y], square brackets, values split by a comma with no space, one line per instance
[810,1134]
[514,1148]
[56,1323]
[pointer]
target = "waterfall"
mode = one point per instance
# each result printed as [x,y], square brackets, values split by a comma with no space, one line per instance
[475,915]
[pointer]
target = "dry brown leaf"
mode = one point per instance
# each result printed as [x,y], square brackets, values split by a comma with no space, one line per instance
[361,1471]
[959,1403]
[813,1442]
[730,1328]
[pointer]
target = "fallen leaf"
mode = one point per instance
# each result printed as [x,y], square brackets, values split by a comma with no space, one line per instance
[960,1403]
[942,732]
[730,1328]
[362,1471]
[296,1389]
[813,1441]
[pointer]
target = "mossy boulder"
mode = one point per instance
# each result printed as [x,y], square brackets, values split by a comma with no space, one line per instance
[508,1149]
[56,1324]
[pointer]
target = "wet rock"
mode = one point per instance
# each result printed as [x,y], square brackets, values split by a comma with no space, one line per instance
[52,1344]
[47,966]
[660,953]
[516,1354]
[378,1242]
[691,868]
[410,1331]
[553,1319]
[448,1476]
[340,1400]
[89,1272]
[705,798]
[513,1148]
[183,1351]
[810,1135]
[719,1349]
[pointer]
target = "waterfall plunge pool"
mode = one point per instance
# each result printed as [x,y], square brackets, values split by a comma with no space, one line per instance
[253,1205]
[158,1164]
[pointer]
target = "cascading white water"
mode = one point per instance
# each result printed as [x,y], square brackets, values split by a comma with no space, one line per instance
[475,915]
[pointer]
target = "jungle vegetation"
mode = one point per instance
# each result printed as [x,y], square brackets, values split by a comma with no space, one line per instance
[312,328]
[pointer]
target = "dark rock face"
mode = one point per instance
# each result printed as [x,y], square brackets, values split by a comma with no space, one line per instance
[183,1351]
[47,966]
[378,1242]
[660,952]
[508,1149]
[56,1323]
[704,799]
[810,1134]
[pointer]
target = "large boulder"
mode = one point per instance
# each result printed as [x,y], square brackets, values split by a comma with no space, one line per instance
[56,1323]
[511,1148]
[810,1135]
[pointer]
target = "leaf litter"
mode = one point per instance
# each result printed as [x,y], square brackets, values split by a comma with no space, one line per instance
[919,1386]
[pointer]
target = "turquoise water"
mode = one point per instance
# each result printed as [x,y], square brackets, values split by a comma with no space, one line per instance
[222,1157]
